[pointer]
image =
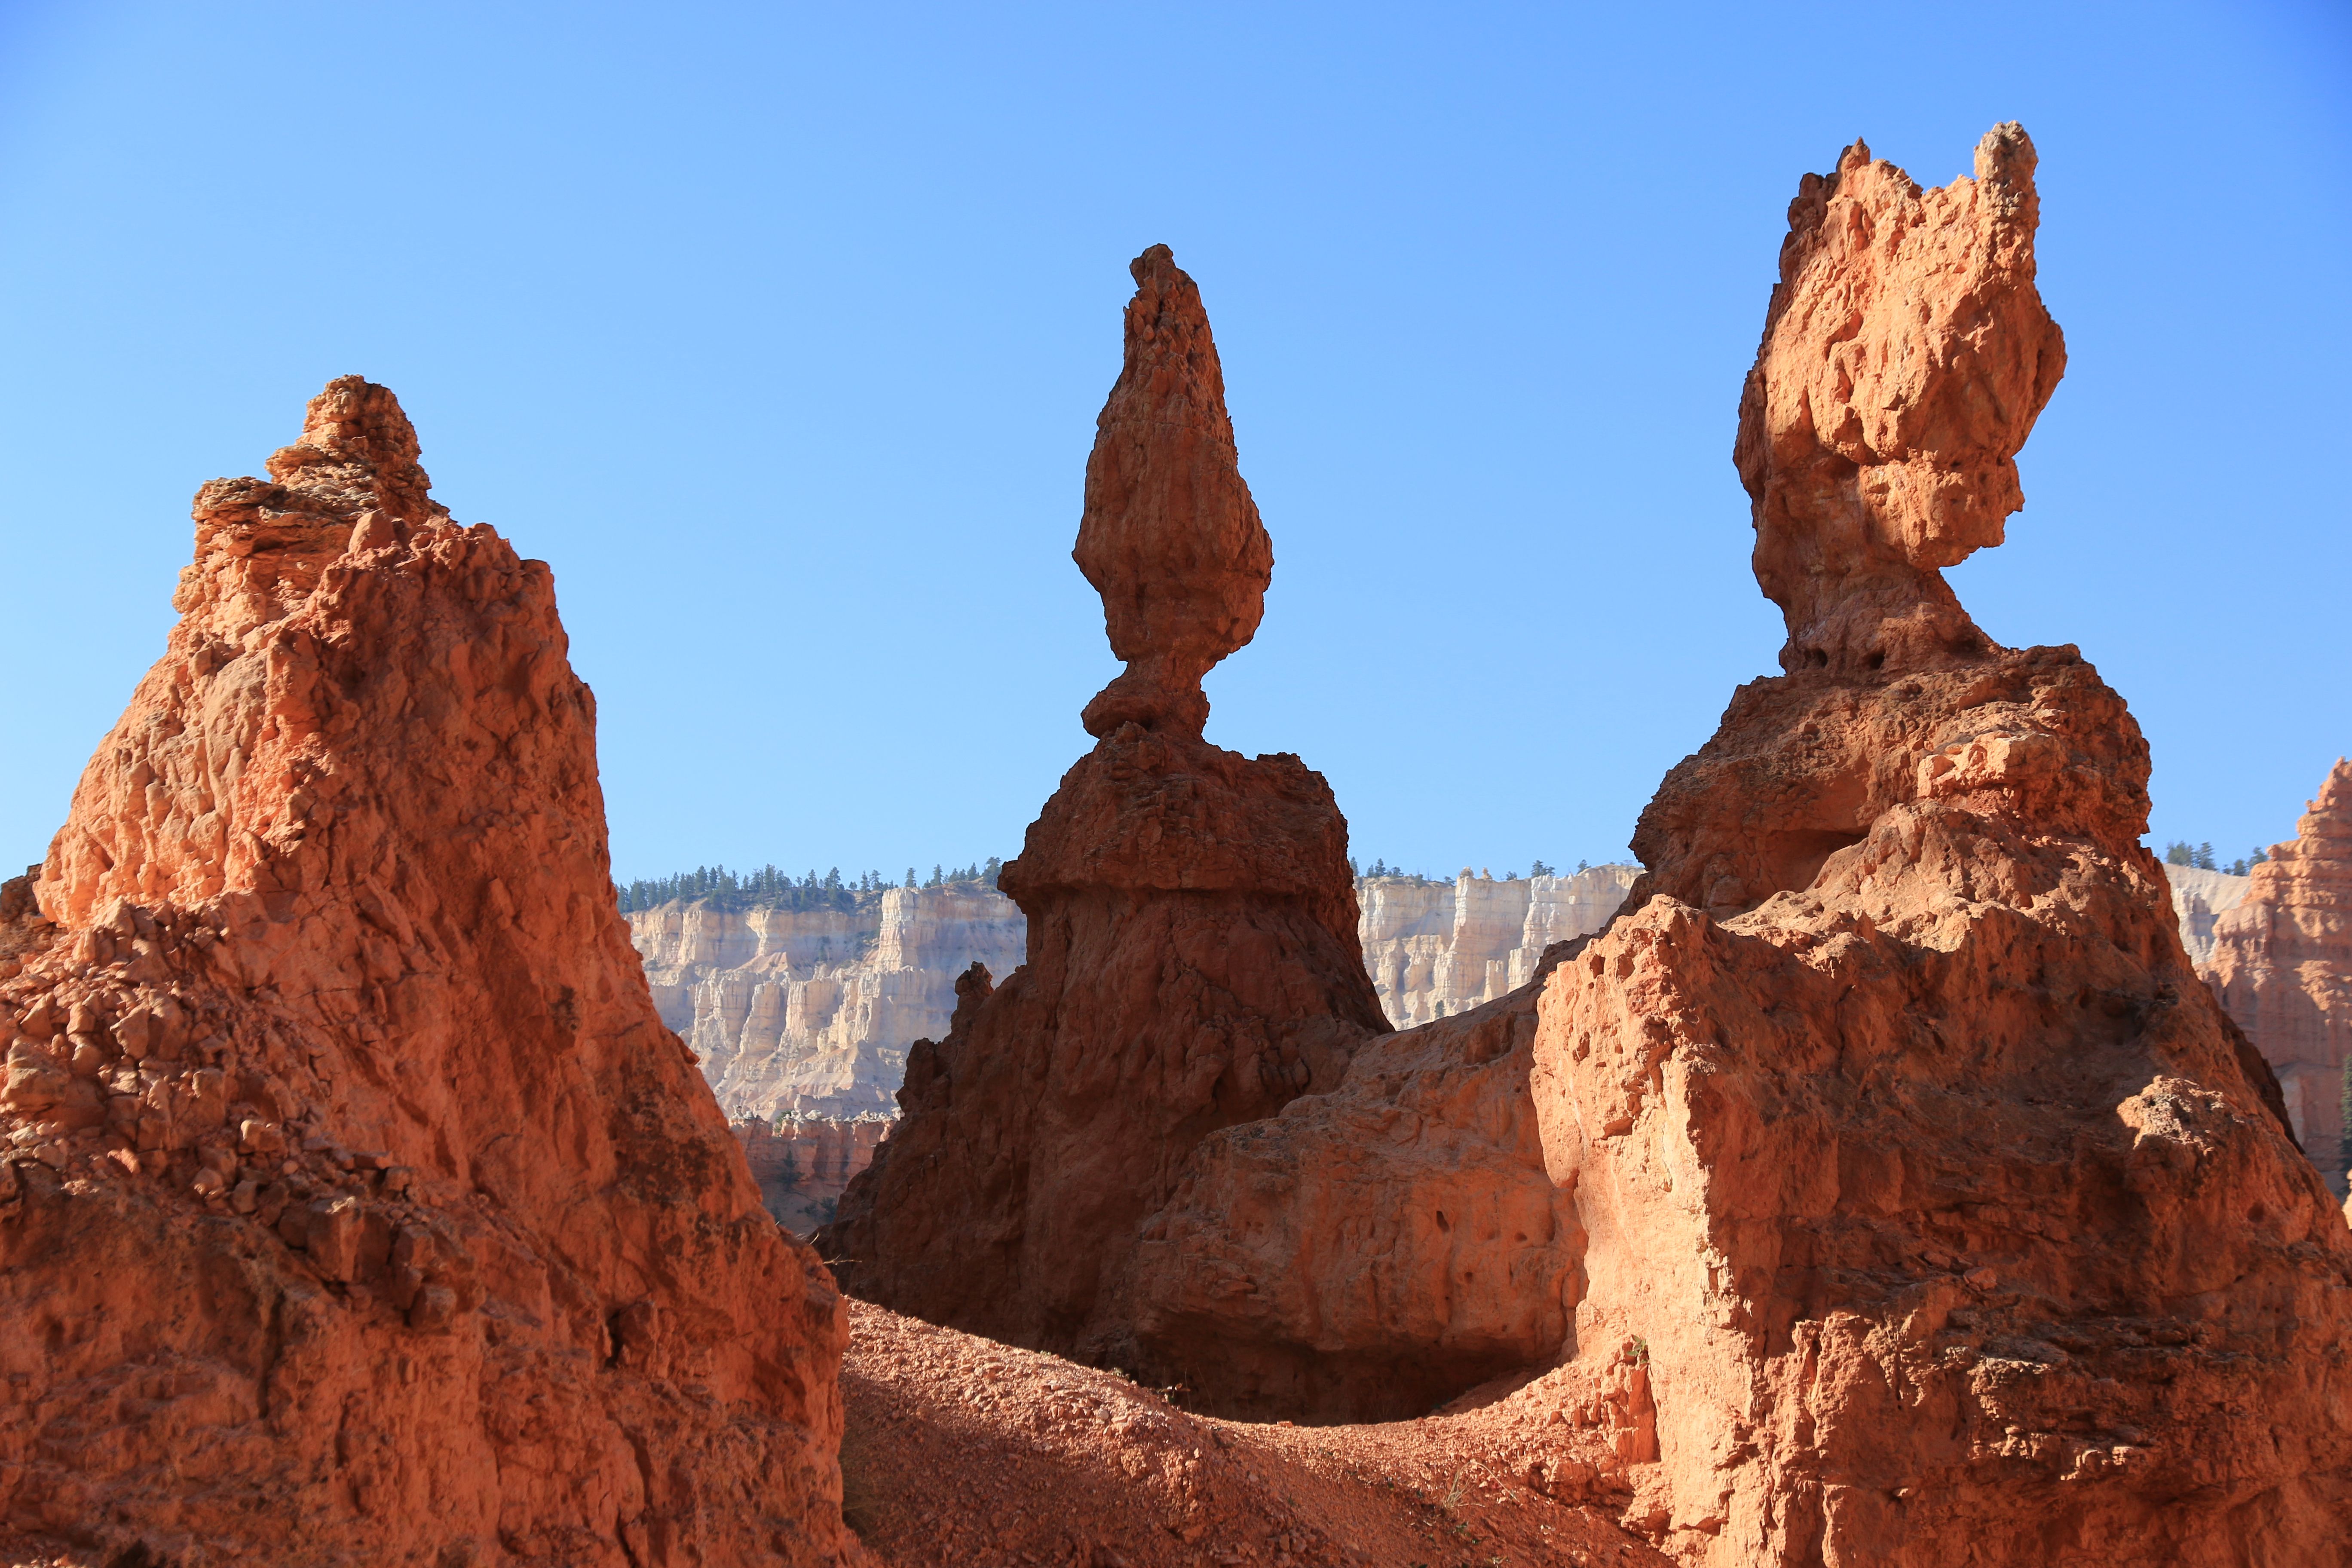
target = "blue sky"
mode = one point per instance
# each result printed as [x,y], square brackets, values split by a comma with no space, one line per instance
[781,330]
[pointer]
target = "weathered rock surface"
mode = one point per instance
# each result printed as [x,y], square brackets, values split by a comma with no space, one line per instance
[355,1206]
[1170,537]
[1366,1254]
[804,1162]
[1906,354]
[1192,960]
[1957,1222]
[811,1012]
[1945,1215]
[1437,949]
[2281,964]
[2199,898]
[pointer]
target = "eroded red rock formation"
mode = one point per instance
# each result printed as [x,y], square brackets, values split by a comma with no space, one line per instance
[1955,1221]
[1915,1204]
[2283,964]
[357,1207]
[1192,958]
[1906,356]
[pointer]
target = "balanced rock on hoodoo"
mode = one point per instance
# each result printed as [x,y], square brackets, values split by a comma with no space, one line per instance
[2283,964]
[1192,956]
[356,1207]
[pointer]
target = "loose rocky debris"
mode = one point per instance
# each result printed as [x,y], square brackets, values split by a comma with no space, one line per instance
[963,1453]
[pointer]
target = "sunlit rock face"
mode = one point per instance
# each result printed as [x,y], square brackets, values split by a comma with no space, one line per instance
[355,1204]
[2281,964]
[1888,1136]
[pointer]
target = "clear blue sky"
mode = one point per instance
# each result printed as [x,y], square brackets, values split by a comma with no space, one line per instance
[780,331]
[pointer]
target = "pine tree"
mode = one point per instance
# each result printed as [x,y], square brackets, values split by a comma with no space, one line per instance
[989,872]
[2204,859]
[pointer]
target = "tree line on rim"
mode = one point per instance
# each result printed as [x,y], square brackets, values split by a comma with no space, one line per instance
[769,888]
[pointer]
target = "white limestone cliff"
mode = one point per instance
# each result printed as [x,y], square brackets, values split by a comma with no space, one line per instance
[2198,897]
[1435,948]
[810,1012]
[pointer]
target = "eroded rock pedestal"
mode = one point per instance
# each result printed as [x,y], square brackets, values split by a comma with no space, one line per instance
[1903,1199]
[2283,964]
[1192,958]
[357,1206]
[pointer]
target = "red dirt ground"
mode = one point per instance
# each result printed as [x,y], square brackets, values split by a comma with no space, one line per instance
[963,1453]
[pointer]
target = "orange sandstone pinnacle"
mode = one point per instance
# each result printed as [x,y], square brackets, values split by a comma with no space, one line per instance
[1171,537]
[1192,958]
[1906,356]
[355,1206]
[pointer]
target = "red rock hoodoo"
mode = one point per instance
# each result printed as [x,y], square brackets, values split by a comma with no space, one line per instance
[357,1208]
[1192,957]
[2283,964]
[1914,1205]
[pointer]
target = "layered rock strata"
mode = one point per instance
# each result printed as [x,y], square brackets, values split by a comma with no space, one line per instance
[810,1013]
[355,1206]
[1437,949]
[1945,1215]
[803,1164]
[2199,898]
[1192,958]
[2282,964]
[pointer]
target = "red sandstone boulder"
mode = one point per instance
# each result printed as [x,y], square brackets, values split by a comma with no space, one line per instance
[357,1207]
[1192,957]
[2282,966]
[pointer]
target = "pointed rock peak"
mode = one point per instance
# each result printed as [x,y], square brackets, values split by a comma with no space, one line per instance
[2335,790]
[1906,354]
[356,438]
[1170,538]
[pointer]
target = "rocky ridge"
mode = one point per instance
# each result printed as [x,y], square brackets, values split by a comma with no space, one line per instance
[810,1014]
[355,1206]
[2282,964]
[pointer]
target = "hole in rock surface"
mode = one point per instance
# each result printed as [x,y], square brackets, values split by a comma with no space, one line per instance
[1791,860]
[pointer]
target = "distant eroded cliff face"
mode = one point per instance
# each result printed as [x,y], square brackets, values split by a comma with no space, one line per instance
[1437,949]
[810,1013]
[2282,966]
[2199,898]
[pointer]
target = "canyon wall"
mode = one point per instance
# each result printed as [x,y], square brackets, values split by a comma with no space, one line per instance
[1436,949]
[2199,898]
[810,1013]
[804,1162]
[355,1206]
[2281,964]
